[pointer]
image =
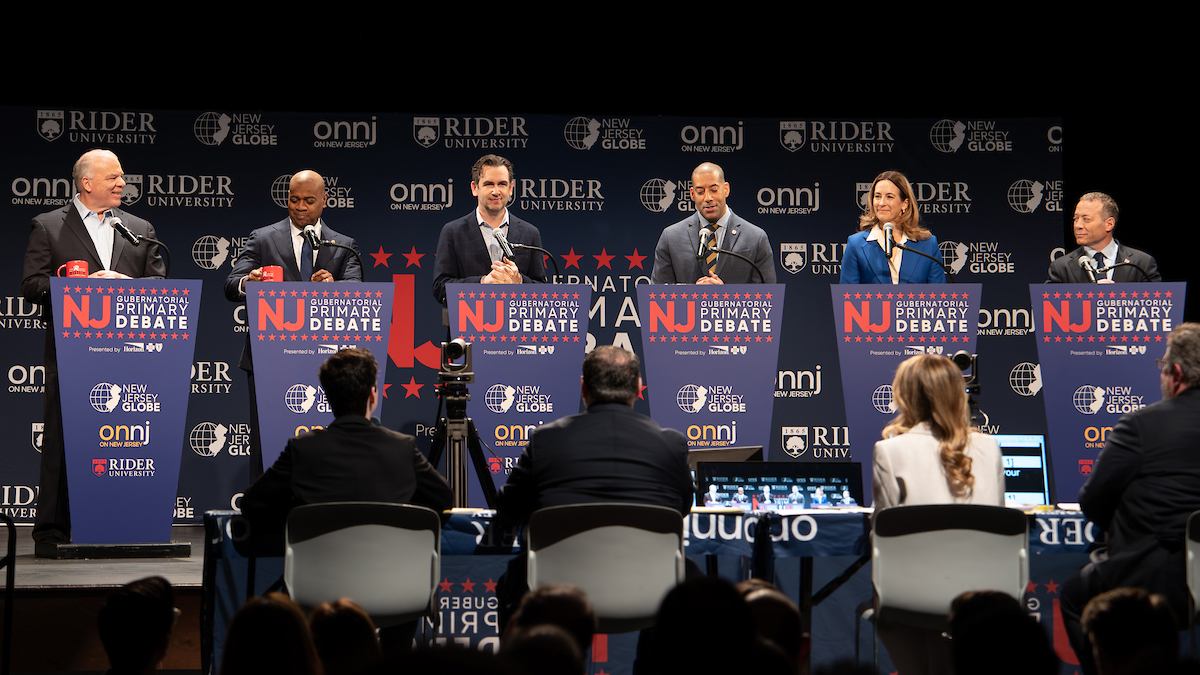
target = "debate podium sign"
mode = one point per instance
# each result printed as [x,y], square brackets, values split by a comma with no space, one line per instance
[125,350]
[527,351]
[294,327]
[1097,346]
[878,327]
[710,355]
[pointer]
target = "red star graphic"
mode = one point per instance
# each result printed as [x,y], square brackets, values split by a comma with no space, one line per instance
[489,586]
[381,257]
[412,258]
[1052,587]
[468,585]
[385,388]
[572,259]
[446,585]
[412,388]
[604,259]
[635,260]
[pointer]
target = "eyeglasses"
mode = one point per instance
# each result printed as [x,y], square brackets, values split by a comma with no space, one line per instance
[1161,363]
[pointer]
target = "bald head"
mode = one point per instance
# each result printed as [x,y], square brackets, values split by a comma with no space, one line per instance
[306,198]
[709,167]
[709,191]
[99,179]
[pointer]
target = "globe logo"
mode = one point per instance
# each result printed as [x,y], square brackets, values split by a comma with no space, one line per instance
[211,128]
[1026,379]
[280,189]
[210,252]
[658,195]
[1088,399]
[581,133]
[208,438]
[954,255]
[499,398]
[1024,196]
[691,398]
[947,135]
[105,397]
[881,398]
[300,398]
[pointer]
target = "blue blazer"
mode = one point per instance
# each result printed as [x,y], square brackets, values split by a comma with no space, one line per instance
[864,263]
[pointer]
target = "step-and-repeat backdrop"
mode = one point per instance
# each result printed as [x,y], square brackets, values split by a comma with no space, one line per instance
[600,189]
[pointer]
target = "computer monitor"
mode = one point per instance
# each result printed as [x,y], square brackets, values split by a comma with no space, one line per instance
[1026,480]
[779,486]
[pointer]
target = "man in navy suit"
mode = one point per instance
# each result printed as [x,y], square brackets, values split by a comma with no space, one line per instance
[82,230]
[1142,489]
[675,256]
[1095,217]
[467,251]
[282,244]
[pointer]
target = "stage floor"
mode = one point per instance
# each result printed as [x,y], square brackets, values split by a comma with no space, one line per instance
[42,573]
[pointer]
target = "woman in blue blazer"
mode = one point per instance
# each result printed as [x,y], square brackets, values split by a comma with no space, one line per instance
[891,201]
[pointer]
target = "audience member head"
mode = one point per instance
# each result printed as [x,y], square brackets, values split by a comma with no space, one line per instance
[344,637]
[930,388]
[703,624]
[348,378]
[543,649]
[1181,362]
[269,634]
[994,635]
[776,617]
[611,375]
[891,200]
[1131,631]
[135,624]
[562,605]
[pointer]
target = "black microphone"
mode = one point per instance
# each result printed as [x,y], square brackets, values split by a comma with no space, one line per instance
[310,234]
[124,231]
[702,252]
[504,245]
[1088,266]
[889,244]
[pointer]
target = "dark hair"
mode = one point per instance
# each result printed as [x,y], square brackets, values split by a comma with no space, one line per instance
[347,378]
[543,649]
[562,605]
[269,634]
[610,375]
[491,160]
[1129,623]
[136,621]
[344,636]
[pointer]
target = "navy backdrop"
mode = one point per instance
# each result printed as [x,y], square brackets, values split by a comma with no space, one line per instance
[600,189]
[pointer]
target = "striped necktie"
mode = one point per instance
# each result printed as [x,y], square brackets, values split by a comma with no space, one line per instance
[711,260]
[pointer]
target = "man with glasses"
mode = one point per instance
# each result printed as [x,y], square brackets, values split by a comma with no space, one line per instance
[1144,485]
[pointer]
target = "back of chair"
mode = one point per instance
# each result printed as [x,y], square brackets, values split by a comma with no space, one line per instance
[625,557]
[924,556]
[384,557]
[1192,544]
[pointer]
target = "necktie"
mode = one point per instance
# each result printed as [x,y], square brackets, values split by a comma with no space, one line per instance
[306,261]
[1099,258]
[711,260]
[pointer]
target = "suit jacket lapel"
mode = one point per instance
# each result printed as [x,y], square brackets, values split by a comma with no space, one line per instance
[282,238]
[76,226]
[733,230]
[879,262]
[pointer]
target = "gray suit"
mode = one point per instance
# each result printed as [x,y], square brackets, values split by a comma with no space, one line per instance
[675,256]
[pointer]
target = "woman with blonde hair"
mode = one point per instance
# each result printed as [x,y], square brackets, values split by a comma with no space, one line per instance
[930,454]
[891,200]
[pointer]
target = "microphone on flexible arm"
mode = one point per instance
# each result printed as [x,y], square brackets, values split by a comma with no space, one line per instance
[310,235]
[505,247]
[889,244]
[1088,266]
[702,251]
[124,231]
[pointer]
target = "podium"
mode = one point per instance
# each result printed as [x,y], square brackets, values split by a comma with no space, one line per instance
[879,326]
[125,349]
[528,342]
[294,327]
[1097,346]
[711,354]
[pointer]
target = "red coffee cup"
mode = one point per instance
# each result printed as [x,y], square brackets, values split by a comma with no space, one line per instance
[272,273]
[75,268]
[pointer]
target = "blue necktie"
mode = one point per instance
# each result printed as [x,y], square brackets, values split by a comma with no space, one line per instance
[306,261]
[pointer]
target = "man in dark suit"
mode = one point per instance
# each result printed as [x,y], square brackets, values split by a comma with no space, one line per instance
[352,459]
[675,256]
[608,454]
[1144,485]
[82,230]
[1095,217]
[467,251]
[283,244]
